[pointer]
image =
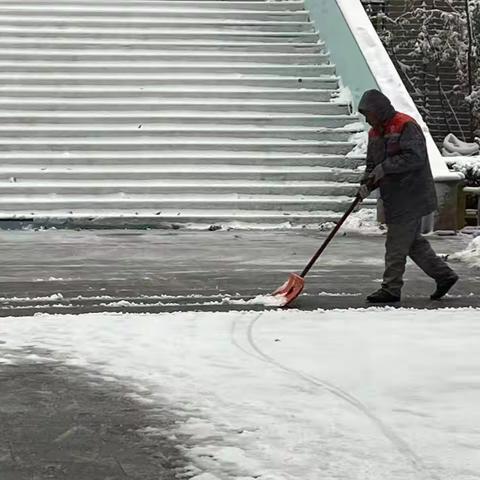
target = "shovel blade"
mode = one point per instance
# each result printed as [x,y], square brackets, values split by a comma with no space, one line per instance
[290,290]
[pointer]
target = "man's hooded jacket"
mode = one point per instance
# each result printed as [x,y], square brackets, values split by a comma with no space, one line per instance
[407,189]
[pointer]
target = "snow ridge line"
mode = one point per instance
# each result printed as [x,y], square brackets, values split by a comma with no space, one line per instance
[400,445]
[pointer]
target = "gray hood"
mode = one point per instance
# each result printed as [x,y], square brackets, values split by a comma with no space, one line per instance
[376,102]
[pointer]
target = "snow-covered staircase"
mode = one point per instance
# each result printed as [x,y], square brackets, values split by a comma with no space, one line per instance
[170,111]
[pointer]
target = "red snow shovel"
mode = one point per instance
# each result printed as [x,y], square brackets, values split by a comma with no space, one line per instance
[293,287]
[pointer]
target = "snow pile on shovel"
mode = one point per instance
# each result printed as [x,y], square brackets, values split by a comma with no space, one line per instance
[470,255]
[266,300]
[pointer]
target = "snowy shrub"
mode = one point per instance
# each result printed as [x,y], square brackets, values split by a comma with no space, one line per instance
[469,166]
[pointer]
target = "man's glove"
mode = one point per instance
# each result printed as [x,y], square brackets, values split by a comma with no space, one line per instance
[375,176]
[363,191]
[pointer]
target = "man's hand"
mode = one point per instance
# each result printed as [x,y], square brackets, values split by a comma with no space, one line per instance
[370,182]
[375,176]
[363,191]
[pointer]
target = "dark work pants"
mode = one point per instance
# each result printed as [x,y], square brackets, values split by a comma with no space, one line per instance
[405,240]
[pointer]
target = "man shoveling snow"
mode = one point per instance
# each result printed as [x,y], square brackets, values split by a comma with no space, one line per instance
[397,163]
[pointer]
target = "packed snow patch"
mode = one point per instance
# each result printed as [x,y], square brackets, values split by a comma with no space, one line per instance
[470,255]
[53,297]
[338,294]
[364,221]
[342,96]
[361,144]
[205,476]
[238,225]
[53,279]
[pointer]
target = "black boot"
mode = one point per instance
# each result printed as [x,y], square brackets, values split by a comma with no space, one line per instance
[382,296]
[443,287]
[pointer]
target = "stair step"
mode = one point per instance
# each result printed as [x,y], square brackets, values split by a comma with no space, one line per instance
[121,158]
[195,57]
[175,105]
[98,218]
[170,67]
[85,44]
[29,118]
[100,14]
[160,4]
[122,201]
[176,187]
[158,79]
[152,23]
[309,95]
[184,34]
[152,133]
[179,172]
[176,144]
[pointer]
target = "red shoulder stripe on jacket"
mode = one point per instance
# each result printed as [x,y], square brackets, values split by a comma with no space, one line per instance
[393,126]
[398,123]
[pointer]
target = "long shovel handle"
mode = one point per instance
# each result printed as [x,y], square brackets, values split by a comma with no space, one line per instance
[330,237]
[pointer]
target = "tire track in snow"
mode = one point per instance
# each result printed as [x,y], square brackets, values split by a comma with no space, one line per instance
[233,331]
[400,445]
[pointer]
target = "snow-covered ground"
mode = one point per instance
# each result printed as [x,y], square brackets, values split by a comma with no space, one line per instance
[354,395]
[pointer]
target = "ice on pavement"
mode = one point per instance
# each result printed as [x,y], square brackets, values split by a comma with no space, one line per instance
[368,394]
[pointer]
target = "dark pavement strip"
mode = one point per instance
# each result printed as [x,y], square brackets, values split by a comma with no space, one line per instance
[59,421]
[156,271]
